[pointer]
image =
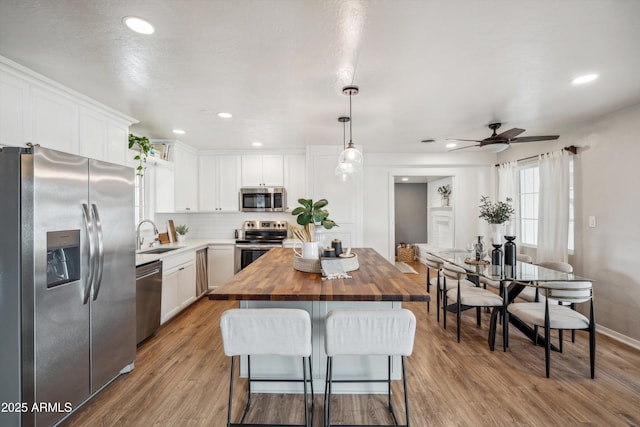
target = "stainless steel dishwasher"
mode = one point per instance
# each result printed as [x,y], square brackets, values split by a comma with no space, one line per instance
[148,299]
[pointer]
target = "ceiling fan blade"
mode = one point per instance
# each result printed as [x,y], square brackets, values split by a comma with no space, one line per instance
[462,148]
[508,134]
[535,138]
[464,140]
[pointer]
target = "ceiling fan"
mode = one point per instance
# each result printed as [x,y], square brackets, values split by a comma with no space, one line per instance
[500,141]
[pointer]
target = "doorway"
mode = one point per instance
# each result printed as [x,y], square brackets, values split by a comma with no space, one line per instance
[419,214]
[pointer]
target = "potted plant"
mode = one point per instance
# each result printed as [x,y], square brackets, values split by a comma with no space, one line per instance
[181,231]
[496,214]
[313,218]
[445,192]
[144,147]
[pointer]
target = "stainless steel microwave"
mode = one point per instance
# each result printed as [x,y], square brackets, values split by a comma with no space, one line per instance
[263,199]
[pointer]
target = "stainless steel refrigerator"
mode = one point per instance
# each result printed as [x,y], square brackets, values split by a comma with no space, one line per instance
[67,281]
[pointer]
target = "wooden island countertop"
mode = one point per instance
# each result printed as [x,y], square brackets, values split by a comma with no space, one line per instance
[273,278]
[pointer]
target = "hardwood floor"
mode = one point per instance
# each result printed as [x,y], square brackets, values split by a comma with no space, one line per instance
[181,379]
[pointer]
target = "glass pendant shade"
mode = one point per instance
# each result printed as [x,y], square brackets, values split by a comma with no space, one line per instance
[344,171]
[352,157]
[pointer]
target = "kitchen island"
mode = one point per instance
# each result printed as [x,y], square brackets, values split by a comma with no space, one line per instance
[271,281]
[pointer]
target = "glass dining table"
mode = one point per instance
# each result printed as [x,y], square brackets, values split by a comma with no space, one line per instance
[513,279]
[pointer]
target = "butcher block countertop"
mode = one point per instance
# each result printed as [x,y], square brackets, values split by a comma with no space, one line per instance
[273,278]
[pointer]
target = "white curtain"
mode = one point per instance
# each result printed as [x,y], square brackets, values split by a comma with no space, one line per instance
[553,207]
[508,188]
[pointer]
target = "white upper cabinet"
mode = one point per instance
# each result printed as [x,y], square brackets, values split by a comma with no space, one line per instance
[14,113]
[185,162]
[93,134]
[295,179]
[55,121]
[36,109]
[218,183]
[265,170]
[164,184]
[117,142]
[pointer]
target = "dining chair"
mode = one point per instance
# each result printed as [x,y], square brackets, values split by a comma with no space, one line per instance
[466,297]
[434,263]
[524,258]
[369,332]
[496,283]
[268,331]
[563,267]
[553,316]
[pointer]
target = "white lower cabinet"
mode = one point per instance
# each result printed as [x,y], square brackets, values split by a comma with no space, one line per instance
[178,284]
[220,263]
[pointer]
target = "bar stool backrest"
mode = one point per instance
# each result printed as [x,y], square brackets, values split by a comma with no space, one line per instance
[273,331]
[388,332]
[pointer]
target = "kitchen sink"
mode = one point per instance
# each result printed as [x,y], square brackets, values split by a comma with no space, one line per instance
[158,250]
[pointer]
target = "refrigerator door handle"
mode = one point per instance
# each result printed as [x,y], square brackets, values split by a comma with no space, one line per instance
[90,234]
[97,281]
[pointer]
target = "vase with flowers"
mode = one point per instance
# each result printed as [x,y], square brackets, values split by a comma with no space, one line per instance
[445,192]
[496,214]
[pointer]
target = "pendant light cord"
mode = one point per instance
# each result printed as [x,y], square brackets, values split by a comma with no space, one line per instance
[344,136]
[350,121]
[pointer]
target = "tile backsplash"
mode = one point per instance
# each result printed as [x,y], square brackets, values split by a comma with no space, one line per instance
[217,225]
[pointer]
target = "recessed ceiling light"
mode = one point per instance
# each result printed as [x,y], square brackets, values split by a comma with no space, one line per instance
[257,144]
[451,145]
[225,115]
[584,79]
[179,131]
[405,179]
[138,25]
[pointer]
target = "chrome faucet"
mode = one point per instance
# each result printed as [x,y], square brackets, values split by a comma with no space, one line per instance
[139,241]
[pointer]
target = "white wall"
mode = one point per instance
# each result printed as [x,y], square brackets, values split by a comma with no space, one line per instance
[606,178]
[472,175]
[411,213]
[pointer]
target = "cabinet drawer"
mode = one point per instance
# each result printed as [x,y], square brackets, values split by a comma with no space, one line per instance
[174,261]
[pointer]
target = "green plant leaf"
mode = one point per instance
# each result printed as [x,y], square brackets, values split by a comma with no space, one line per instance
[320,204]
[304,219]
[307,203]
[298,210]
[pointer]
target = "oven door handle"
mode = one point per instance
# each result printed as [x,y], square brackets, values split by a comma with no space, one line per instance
[251,246]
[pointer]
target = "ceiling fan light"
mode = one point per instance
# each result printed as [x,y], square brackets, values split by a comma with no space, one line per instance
[584,79]
[495,148]
[138,25]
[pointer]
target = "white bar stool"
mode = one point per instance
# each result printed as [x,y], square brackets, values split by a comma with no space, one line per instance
[268,331]
[384,332]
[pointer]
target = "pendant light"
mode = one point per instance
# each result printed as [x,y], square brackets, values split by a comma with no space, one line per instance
[351,155]
[344,170]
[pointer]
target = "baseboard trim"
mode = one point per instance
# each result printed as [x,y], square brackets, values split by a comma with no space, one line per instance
[619,337]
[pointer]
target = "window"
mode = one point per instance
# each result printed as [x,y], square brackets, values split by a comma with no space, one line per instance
[529,198]
[140,200]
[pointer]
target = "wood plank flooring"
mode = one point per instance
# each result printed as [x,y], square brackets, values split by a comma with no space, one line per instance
[181,379]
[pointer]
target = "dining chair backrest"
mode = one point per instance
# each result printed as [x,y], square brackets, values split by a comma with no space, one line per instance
[569,292]
[453,272]
[557,265]
[524,258]
[433,262]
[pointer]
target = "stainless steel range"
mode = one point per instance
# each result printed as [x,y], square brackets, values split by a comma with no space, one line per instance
[258,237]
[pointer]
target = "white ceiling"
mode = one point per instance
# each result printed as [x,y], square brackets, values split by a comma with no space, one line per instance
[426,69]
